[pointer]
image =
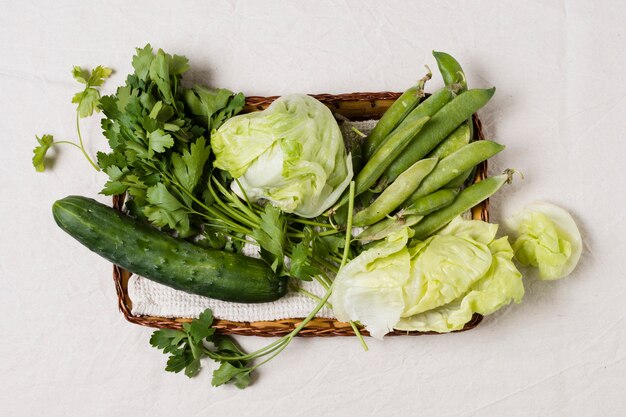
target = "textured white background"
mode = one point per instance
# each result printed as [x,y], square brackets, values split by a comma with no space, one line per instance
[560,109]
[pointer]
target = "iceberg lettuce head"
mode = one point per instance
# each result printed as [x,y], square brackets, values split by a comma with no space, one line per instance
[291,154]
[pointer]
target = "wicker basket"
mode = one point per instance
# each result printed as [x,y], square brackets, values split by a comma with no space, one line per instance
[354,106]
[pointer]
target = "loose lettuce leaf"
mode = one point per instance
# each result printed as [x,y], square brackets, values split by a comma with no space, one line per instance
[546,237]
[369,288]
[434,285]
[497,288]
[291,154]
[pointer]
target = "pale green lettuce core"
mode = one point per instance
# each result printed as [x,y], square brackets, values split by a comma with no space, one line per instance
[461,270]
[546,237]
[291,154]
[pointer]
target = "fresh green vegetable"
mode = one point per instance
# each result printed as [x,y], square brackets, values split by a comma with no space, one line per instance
[455,141]
[460,271]
[430,203]
[466,199]
[545,236]
[144,250]
[396,193]
[438,128]
[369,289]
[386,227]
[454,165]
[433,285]
[87,102]
[291,154]
[394,115]
[375,166]
[160,151]
[462,179]
[450,70]
[187,347]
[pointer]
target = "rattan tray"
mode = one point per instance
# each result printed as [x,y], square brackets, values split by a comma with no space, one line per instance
[354,106]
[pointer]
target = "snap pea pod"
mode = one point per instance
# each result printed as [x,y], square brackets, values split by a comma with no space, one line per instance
[454,165]
[466,199]
[451,70]
[460,180]
[427,108]
[430,203]
[453,75]
[455,141]
[395,114]
[396,193]
[376,165]
[440,126]
[387,226]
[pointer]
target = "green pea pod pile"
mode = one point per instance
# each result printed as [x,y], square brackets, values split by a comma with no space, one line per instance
[420,157]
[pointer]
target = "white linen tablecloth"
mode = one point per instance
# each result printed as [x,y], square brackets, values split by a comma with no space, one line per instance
[559,108]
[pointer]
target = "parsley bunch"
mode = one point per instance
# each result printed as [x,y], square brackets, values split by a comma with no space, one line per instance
[159,135]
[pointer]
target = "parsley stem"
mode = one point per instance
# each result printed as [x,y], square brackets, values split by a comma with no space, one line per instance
[66,142]
[308,293]
[229,211]
[312,223]
[80,140]
[346,248]
[346,251]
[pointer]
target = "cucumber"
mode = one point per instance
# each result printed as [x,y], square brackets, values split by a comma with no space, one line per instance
[162,258]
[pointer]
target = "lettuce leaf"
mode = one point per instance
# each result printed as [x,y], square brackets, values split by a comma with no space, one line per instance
[432,285]
[546,237]
[369,288]
[291,154]
[498,287]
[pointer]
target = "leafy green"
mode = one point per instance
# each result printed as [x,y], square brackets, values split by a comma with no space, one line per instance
[188,346]
[45,143]
[270,235]
[291,154]
[370,287]
[434,285]
[160,152]
[455,288]
[89,99]
[546,237]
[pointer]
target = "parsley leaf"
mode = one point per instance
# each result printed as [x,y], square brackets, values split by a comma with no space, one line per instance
[301,267]
[45,143]
[270,235]
[187,347]
[89,99]
[189,167]
[166,210]
[159,141]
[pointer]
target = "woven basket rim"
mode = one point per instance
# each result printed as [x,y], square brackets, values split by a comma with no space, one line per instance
[366,105]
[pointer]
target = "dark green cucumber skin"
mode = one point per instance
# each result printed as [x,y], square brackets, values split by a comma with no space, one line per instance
[146,251]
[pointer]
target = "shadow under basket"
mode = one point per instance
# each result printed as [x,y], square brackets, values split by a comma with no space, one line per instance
[353,106]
